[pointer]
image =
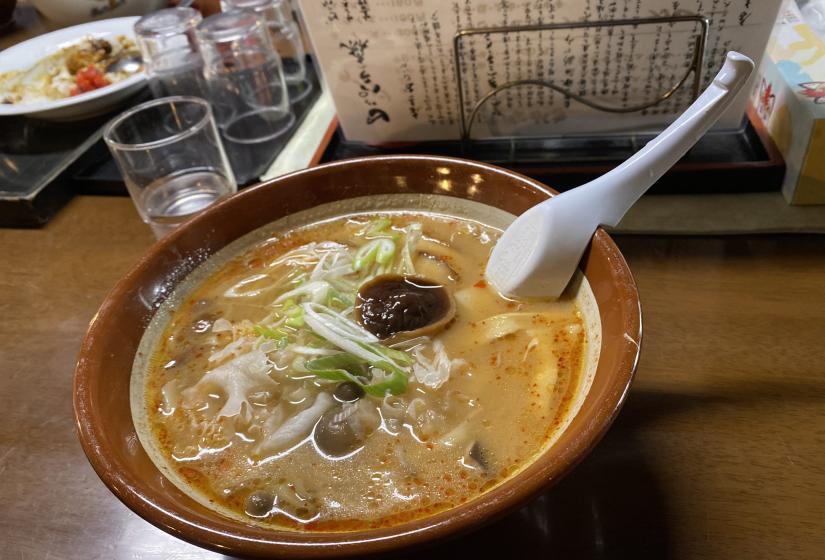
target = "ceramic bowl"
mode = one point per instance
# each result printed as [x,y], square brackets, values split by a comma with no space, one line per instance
[101,385]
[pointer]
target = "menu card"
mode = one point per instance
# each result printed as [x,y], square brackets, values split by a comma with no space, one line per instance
[389,63]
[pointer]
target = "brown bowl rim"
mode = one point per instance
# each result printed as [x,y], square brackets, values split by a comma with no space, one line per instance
[495,503]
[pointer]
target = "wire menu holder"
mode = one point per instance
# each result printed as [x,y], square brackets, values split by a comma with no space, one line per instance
[694,69]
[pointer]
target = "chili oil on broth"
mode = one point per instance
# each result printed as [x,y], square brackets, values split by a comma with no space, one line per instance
[517,374]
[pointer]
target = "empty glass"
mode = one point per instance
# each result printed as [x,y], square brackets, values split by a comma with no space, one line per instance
[171,158]
[247,90]
[170,51]
[286,38]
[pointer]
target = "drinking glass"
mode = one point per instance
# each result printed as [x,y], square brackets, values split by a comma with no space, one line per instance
[247,90]
[286,38]
[170,51]
[171,158]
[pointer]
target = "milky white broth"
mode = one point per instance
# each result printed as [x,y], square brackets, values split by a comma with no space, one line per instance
[230,404]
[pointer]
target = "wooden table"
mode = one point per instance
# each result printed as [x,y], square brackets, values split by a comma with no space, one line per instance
[719,452]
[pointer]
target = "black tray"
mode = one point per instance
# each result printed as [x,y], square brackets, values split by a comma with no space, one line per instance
[744,160]
[43,164]
[37,159]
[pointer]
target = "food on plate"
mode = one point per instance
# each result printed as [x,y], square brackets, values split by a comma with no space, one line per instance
[73,70]
[351,373]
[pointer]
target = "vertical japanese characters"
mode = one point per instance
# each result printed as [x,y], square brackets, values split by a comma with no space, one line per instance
[407,47]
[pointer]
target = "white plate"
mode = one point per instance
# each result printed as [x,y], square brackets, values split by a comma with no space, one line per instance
[28,53]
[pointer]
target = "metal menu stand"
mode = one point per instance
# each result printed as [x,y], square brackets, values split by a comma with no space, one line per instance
[723,161]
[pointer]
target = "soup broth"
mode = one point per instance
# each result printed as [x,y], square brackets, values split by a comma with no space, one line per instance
[262,394]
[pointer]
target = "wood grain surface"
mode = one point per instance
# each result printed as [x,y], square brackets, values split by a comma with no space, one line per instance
[718,453]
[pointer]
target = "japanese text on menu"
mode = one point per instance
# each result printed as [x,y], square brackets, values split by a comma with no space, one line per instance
[389,63]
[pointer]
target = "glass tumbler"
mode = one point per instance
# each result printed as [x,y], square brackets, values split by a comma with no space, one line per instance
[170,51]
[286,38]
[247,90]
[171,158]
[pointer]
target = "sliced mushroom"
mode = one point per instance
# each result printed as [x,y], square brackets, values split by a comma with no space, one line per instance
[478,455]
[348,391]
[259,503]
[338,433]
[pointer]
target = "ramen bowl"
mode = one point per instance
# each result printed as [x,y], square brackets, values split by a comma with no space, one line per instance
[102,377]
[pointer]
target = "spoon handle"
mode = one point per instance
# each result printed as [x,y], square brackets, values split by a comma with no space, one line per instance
[616,191]
[538,254]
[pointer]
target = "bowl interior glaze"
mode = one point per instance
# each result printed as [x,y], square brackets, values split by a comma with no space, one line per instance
[101,384]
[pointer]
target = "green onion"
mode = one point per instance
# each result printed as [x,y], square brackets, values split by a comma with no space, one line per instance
[385,252]
[280,335]
[392,354]
[295,317]
[380,251]
[315,290]
[346,367]
[365,255]
[295,322]
[338,367]
[396,384]
[377,227]
[334,297]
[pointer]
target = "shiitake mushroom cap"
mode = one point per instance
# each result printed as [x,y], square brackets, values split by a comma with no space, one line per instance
[396,307]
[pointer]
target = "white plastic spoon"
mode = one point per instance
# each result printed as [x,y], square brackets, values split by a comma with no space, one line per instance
[538,254]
